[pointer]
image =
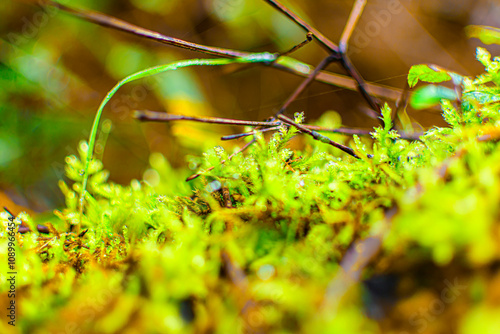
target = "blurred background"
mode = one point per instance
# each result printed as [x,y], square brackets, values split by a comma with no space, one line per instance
[56,69]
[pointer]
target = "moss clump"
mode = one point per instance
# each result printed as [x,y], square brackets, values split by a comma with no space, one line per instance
[260,242]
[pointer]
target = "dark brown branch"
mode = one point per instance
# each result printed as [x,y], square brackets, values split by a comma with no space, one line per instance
[318,136]
[356,12]
[303,85]
[323,76]
[343,81]
[246,134]
[361,84]
[354,16]
[112,22]
[335,50]
[341,131]
[328,44]
[156,116]
[309,38]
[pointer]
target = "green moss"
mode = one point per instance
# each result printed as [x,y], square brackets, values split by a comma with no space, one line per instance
[255,242]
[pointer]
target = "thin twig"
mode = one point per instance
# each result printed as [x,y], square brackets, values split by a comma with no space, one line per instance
[361,84]
[341,131]
[327,43]
[303,85]
[247,145]
[246,134]
[323,76]
[112,22]
[354,16]
[156,116]
[309,38]
[318,136]
[356,12]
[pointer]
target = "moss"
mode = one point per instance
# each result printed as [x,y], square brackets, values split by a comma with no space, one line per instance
[257,242]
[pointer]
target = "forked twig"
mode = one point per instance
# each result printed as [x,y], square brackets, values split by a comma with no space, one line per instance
[336,53]
[156,116]
[115,23]
[318,136]
[309,38]
[354,16]
[324,63]
[361,84]
[323,40]
[356,12]
[246,134]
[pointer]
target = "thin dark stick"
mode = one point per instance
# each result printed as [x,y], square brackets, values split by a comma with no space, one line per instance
[344,131]
[318,136]
[309,38]
[247,145]
[341,131]
[24,229]
[323,76]
[112,22]
[354,16]
[328,44]
[372,101]
[9,212]
[303,85]
[156,116]
[246,134]
[356,12]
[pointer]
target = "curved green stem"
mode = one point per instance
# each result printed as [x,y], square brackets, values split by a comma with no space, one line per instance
[252,58]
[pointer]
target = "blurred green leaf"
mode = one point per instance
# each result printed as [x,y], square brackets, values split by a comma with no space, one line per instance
[430,96]
[487,35]
[427,74]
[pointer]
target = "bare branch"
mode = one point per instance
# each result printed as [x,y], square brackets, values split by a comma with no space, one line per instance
[328,44]
[361,84]
[246,134]
[318,136]
[156,116]
[112,22]
[305,83]
[323,76]
[356,12]
[309,38]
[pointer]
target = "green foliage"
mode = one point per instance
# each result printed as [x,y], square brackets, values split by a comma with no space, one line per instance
[256,241]
[426,73]
[487,35]
[429,96]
